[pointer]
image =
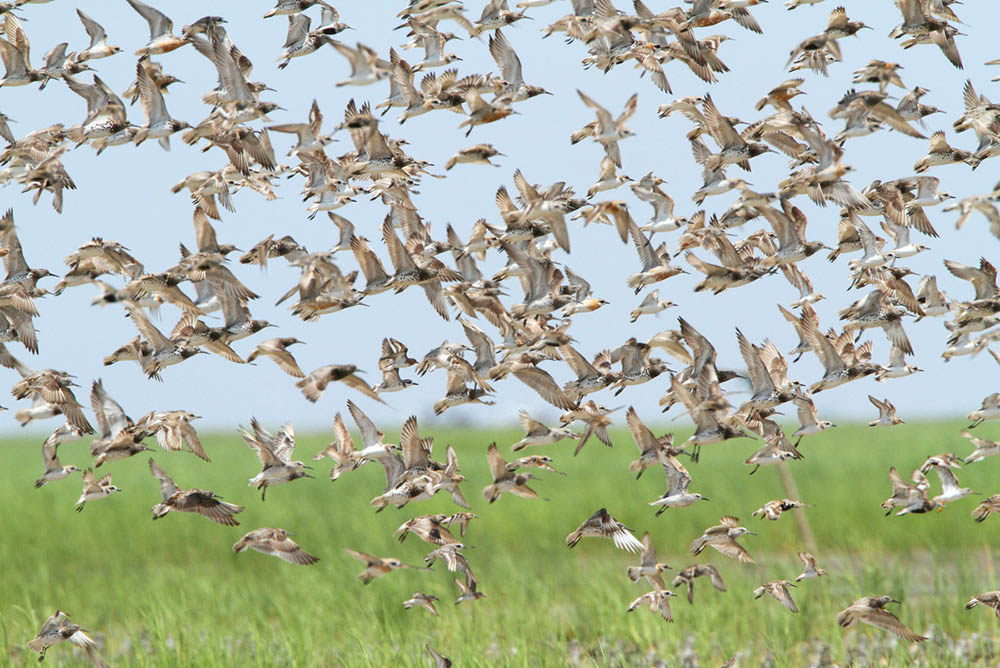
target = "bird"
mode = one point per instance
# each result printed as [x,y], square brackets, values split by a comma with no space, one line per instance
[506,480]
[277,350]
[810,569]
[376,567]
[886,413]
[58,628]
[687,577]
[723,538]
[648,567]
[275,542]
[539,434]
[990,599]
[425,601]
[274,452]
[772,510]
[94,489]
[989,506]
[602,525]
[53,469]
[871,610]
[779,590]
[315,383]
[199,501]
[658,601]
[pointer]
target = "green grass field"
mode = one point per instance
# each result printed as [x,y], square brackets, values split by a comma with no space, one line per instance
[172,593]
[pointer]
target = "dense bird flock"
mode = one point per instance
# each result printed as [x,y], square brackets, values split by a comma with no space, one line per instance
[498,335]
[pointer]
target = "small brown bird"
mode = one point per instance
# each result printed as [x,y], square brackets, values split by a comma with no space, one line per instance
[723,538]
[810,570]
[467,592]
[201,501]
[425,601]
[505,479]
[602,525]
[986,508]
[991,599]
[779,590]
[772,510]
[648,566]
[276,349]
[375,567]
[440,660]
[312,386]
[688,575]
[57,629]
[658,601]
[871,610]
[174,431]
[275,542]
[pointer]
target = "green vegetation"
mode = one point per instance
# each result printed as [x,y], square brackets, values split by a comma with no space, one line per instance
[172,593]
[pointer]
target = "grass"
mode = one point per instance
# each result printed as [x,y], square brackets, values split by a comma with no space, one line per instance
[172,593]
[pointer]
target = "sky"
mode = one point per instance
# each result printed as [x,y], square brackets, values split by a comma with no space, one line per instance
[124,195]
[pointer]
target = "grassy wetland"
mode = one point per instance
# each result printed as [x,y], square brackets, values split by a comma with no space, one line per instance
[172,593]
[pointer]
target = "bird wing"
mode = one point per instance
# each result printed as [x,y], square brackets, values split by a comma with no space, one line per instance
[167,486]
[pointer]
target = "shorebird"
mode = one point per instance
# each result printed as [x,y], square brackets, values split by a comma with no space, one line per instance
[425,601]
[608,131]
[506,480]
[647,442]
[174,432]
[871,610]
[648,567]
[341,450]
[658,601]
[161,37]
[275,542]
[602,525]
[440,660]
[274,453]
[986,508]
[810,570]
[94,489]
[678,480]
[772,510]
[375,567]
[651,305]
[984,448]
[479,154]
[779,590]
[315,383]
[53,469]
[950,491]
[56,629]
[897,368]
[277,350]
[99,47]
[809,422]
[200,501]
[886,413]
[990,599]
[687,577]
[537,433]
[988,410]
[723,538]
[908,498]
[467,592]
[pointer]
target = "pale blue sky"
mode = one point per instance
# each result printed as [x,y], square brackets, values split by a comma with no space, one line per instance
[124,195]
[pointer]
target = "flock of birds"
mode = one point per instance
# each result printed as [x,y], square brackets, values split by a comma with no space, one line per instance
[534,228]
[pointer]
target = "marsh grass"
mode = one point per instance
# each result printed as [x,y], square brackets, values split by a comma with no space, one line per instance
[172,593]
